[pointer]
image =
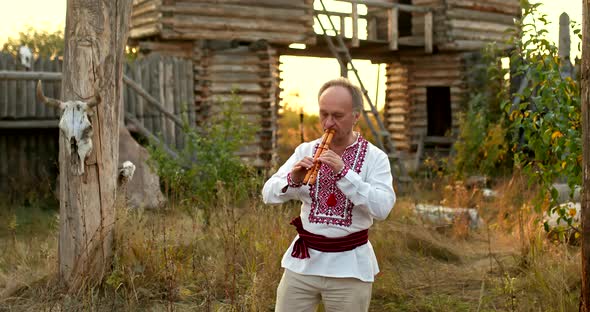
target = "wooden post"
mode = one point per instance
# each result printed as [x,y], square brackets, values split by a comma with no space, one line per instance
[372,28]
[566,68]
[355,25]
[342,26]
[95,38]
[428,32]
[393,32]
[585,213]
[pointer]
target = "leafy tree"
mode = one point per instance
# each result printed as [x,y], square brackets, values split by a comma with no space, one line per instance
[540,132]
[548,146]
[41,42]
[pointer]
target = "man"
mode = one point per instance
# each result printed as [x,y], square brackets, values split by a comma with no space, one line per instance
[331,259]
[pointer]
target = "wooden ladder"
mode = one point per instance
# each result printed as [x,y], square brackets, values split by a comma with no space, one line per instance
[380,133]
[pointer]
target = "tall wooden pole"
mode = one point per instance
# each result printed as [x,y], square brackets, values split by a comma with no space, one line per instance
[95,39]
[585,301]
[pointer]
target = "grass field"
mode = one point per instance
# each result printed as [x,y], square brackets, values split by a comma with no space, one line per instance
[171,261]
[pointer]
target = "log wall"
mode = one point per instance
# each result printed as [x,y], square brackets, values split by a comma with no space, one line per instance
[405,112]
[251,71]
[458,25]
[276,21]
[146,18]
[471,24]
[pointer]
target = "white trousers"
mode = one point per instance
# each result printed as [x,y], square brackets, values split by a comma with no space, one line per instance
[302,293]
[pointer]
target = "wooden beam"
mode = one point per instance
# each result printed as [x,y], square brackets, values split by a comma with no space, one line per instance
[392,30]
[339,14]
[151,100]
[139,128]
[428,32]
[355,25]
[28,124]
[389,5]
[20,75]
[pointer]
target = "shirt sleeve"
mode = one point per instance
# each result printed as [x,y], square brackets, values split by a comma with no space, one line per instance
[277,190]
[376,193]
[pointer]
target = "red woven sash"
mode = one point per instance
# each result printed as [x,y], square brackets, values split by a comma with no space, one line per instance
[325,244]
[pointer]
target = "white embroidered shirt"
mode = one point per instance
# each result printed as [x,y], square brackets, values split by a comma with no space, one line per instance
[337,205]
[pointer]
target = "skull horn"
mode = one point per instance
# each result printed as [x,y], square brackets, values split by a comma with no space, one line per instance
[45,100]
[93,101]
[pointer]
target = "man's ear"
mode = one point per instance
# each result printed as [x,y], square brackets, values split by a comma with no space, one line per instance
[357,116]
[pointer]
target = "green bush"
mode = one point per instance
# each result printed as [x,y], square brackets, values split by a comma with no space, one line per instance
[209,160]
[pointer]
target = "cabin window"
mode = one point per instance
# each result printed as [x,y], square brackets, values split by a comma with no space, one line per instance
[438,105]
[405,21]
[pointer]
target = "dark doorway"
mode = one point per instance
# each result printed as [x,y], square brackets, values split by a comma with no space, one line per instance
[405,21]
[438,105]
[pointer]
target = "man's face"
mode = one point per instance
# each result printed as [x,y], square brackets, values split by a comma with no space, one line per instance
[336,111]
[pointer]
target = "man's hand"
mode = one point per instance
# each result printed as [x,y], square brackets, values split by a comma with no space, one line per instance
[332,159]
[300,169]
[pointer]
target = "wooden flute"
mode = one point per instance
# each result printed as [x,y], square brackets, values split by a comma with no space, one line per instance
[312,172]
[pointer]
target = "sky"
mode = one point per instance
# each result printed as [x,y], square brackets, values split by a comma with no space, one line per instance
[302,76]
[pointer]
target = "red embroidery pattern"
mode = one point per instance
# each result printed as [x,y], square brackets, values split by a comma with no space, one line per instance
[328,204]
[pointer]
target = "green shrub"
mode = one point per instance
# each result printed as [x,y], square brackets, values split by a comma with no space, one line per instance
[208,159]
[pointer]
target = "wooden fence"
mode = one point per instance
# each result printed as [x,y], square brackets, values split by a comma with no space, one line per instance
[158,97]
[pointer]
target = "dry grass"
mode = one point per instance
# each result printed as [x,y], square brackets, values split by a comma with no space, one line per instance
[170,260]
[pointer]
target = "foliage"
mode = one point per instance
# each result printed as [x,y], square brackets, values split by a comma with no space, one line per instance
[546,125]
[48,44]
[41,42]
[538,130]
[209,158]
[168,260]
[483,144]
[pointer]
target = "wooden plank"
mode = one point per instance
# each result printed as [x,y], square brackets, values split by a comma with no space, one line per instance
[512,8]
[388,5]
[180,103]
[45,65]
[151,100]
[274,37]
[428,36]
[56,64]
[150,85]
[475,15]
[234,24]
[144,31]
[479,25]
[279,4]
[392,30]
[146,20]
[3,157]
[12,74]
[145,8]
[28,124]
[12,93]
[3,86]
[229,11]
[169,104]
[355,26]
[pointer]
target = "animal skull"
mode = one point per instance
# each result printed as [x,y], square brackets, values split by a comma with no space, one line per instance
[75,127]
[25,56]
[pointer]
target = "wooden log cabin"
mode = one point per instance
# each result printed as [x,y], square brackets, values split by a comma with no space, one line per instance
[235,46]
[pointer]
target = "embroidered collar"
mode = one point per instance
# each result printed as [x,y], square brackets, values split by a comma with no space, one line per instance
[328,204]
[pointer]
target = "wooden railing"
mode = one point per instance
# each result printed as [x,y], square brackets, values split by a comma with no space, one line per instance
[393,11]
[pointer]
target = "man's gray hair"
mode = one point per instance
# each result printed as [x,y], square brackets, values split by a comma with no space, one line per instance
[355,91]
